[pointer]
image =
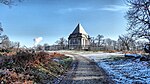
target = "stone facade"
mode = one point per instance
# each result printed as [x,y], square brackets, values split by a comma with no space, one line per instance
[79,39]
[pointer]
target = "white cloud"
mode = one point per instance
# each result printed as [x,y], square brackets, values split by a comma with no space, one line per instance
[73,9]
[115,8]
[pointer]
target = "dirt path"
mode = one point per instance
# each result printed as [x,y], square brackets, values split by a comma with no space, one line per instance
[85,71]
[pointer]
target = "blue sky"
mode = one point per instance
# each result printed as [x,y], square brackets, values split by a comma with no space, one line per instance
[53,19]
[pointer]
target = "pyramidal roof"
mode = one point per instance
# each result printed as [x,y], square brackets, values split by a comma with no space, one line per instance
[79,29]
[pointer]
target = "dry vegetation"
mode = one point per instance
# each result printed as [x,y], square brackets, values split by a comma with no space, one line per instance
[26,67]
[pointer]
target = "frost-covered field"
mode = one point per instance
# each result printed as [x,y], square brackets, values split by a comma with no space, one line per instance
[123,70]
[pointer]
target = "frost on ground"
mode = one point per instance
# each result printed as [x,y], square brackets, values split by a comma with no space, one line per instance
[121,69]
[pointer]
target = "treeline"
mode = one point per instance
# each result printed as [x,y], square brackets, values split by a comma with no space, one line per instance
[126,42]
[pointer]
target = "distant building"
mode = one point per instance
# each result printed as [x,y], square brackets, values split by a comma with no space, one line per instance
[79,39]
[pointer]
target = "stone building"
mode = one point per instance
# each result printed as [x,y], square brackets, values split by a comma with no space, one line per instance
[79,39]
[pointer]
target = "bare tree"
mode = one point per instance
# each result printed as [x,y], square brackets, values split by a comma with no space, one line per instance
[1,29]
[46,46]
[10,2]
[126,42]
[15,44]
[140,45]
[114,44]
[62,42]
[109,44]
[100,40]
[39,47]
[92,40]
[138,17]
[5,42]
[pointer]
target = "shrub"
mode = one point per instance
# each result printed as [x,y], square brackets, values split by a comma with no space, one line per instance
[33,67]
